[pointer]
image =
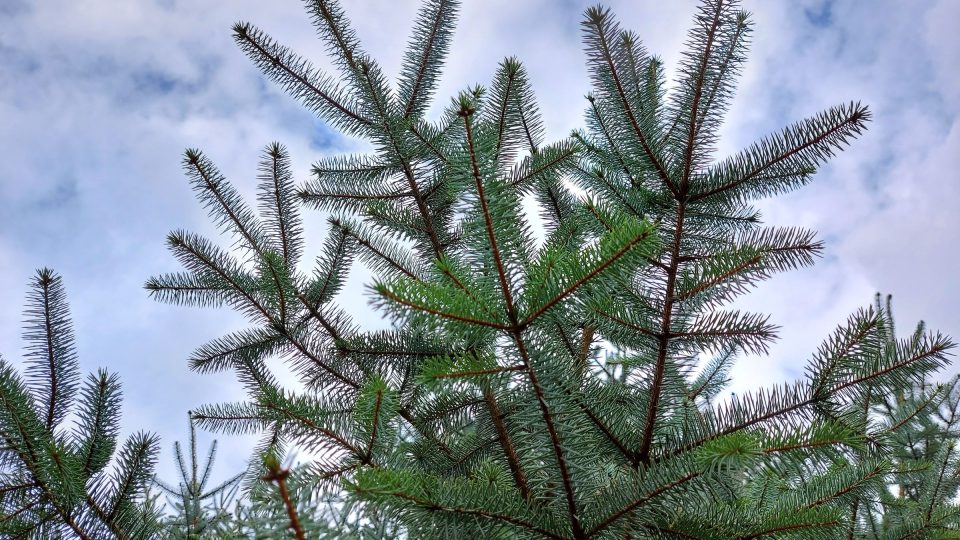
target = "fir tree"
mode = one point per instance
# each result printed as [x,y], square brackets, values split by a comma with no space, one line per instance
[59,434]
[200,511]
[487,410]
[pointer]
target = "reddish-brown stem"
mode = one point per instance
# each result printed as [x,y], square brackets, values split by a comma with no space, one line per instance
[214,187]
[513,460]
[279,476]
[501,125]
[451,316]
[697,95]
[543,167]
[408,174]
[590,275]
[778,158]
[478,372]
[282,223]
[663,340]
[368,456]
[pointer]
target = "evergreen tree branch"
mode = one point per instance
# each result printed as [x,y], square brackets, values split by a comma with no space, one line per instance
[516,330]
[435,506]
[633,505]
[424,54]
[418,196]
[790,528]
[603,265]
[798,149]
[599,22]
[296,75]
[688,159]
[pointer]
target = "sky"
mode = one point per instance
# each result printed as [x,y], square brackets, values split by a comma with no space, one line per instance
[98,100]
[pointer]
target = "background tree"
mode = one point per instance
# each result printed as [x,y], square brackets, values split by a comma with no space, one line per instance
[198,510]
[486,410]
[59,435]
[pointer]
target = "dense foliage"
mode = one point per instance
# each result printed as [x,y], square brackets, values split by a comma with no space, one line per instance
[59,434]
[488,410]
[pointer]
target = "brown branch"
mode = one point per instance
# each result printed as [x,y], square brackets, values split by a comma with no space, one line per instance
[913,414]
[336,263]
[801,446]
[578,533]
[543,167]
[722,72]
[614,192]
[785,528]
[45,282]
[278,475]
[479,372]
[516,331]
[663,340]
[526,128]
[460,285]
[254,244]
[97,418]
[363,242]
[854,507]
[306,194]
[844,491]
[692,395]
[807,402]
[598,422]
[503,111]
[586,342]
[936,487]
[506,443]
[340,39]
[732,272]
[29,459]
[282,222]
[485,210]
[332,435]
[613,147]
[373,435]
[408,173]
[427,143]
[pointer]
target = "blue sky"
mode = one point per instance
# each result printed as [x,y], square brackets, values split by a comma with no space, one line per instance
[99,98]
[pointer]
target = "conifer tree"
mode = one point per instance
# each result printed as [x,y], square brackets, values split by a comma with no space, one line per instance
[487,411]
[60,433]
[199,511]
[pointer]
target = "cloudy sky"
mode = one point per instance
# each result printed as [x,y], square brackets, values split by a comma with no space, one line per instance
[98,99]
